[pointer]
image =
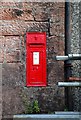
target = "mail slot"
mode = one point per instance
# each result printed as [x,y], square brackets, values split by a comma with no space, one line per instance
[36,59]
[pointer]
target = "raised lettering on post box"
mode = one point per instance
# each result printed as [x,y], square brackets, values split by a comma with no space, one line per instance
[36,59]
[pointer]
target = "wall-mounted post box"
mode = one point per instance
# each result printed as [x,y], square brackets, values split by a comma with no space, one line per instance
[36,59]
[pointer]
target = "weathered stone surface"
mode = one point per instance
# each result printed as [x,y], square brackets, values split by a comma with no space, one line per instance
[1,56]
[16,14]
[57,29]
[52,101]
[57,5]
[13,56]
[32,11]
[57,13]
[17,19]
[55,73]
[55,68]
[0,90]
[12,103]
[11,80]
[19,27]
[24,11]
[49,10]
[12,43]
[10,48]
[41,11]
[48,96]
[2,41]
[12,75]
[74,93]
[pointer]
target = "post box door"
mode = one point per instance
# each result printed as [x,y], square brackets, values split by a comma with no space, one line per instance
[36,65]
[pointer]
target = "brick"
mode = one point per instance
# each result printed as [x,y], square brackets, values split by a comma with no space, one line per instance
[19,27]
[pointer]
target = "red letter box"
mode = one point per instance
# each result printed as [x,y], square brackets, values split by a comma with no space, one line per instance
[36,59]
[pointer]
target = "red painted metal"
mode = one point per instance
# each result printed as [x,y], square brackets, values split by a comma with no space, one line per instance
[36,59]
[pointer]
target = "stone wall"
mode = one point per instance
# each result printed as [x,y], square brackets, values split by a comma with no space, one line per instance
[15,20]
[75,92]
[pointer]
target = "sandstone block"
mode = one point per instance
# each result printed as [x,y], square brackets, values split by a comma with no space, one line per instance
[2,46]
[19,27]
[13,56]
[12,43]
[57,29]
[11,80]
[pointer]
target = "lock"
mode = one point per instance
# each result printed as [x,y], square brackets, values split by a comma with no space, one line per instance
[36,59]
